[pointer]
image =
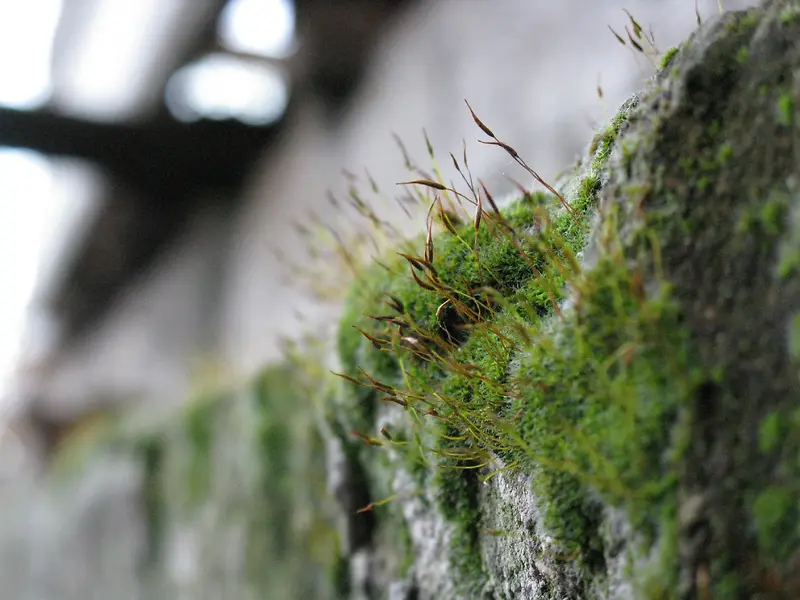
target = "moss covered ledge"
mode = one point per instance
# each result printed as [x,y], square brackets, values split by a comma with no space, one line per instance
[600,400]
[442,374]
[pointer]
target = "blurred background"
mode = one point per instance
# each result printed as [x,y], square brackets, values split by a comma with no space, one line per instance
[156,155]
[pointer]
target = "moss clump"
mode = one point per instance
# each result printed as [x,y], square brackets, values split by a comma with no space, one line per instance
[470,266]
[794,337]
[790,14]
[743,54]
[786,109]
[769,434]
[723,245]
[744,22]
[600,150]
[599,393]
[767,219]
[668,57]
[597,406]
[458,334]
[151,453]
[457,496]
[774,508]
[775,512]
[274,441]
[724,153]
[444,353]
[788,261]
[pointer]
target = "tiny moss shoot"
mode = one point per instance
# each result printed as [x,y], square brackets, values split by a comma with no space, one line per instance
[668,57]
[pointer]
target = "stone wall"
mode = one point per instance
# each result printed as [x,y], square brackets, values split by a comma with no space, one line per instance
[529,67]
[682,482]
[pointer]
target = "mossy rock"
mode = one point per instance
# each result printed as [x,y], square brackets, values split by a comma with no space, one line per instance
[633,371]
[232,482]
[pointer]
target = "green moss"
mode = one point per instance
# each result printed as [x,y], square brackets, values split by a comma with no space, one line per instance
[151,452]
[790,14]
[458,501]
[745,21]
[598,407]
[493,261]
[773,213]
[776,515]
[608,140]
[494,290]
[274,443]
[724,153]
[292,543]
[788,263]
[766,219]
[703,167]
[199,419]
[704,183]
[668,56]
[730,585]
[794,337]
[743,55]
[686,165]
[786,109]
[769,434]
